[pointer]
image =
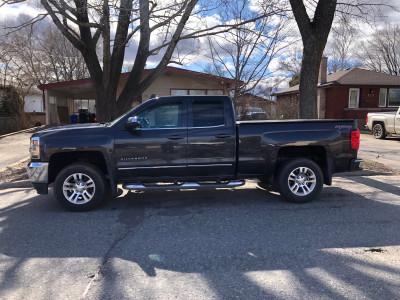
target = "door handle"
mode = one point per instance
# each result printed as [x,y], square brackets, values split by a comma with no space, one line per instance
[222,136]
[176,137]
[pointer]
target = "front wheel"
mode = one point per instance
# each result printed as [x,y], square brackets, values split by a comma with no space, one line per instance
[379,131]
[80,187]
[299,180]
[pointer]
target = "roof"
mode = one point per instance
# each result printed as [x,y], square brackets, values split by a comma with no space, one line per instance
[174,70]
[352,77]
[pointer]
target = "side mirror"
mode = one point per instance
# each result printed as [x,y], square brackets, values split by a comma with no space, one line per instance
[132,123]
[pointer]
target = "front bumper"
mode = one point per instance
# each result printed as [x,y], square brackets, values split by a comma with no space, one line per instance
[355,164]
[38,173]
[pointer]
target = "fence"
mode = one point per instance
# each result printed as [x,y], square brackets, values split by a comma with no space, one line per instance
[8,124]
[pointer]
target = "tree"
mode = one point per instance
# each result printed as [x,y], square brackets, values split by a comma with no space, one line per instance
[101,31]
[341,45]
[295,80]
[314,35]
[314,32]
[381,52]
[246,52]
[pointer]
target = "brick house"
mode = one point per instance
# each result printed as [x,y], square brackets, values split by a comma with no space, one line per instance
[345,94]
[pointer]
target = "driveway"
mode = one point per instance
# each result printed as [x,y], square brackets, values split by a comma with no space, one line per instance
[14,148]
[385,151]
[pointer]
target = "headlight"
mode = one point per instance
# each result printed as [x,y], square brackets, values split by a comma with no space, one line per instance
[35,147]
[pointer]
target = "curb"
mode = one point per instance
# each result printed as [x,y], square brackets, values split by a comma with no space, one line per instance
[22,131]
[14,164]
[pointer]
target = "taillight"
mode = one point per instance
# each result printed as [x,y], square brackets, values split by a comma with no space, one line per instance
[366,121]
[355,139]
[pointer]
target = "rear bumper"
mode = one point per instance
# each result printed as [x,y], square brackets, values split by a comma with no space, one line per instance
[38,173]
[355,164]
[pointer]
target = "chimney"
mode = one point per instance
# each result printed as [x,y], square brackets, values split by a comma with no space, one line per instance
[323,70]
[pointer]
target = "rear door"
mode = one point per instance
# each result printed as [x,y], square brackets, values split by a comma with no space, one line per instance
[211,138]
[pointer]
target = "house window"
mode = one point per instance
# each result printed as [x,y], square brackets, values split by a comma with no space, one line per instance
[197,92]
[184,92]
[90,105]
[394,97]
[215,92]
[353,98]
[382,97]
[179,92]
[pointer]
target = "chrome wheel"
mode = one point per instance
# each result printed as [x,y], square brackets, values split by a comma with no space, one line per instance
[79,188]
[302,181]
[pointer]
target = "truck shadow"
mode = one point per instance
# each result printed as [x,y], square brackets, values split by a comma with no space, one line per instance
[245,243]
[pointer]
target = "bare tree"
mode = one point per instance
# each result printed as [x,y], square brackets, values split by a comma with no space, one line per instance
[341,44]
[381,52]
[246,52]
[111,26]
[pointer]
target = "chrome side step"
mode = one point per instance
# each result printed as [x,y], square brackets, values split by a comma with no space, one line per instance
[183,185]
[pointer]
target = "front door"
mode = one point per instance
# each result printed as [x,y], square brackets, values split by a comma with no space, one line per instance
[156,150]
[397,122]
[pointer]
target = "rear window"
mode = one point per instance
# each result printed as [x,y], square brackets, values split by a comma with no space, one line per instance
[207,114]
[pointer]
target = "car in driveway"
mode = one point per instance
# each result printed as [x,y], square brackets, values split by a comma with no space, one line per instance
[383,123]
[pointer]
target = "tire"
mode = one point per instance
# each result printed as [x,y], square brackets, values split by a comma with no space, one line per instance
[80,187]
[299,180]
[379,131]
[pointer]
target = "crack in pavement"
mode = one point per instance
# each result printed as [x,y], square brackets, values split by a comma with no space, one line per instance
[103,263]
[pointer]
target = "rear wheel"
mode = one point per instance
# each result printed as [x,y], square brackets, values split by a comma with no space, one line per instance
[379,131]
[80,187]
[299,180]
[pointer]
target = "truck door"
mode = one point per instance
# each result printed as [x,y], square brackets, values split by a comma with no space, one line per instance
[211,138]
[397,122]
[158,148]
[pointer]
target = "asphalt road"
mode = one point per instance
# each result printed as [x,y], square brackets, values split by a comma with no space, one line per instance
[385,151]
[216,244]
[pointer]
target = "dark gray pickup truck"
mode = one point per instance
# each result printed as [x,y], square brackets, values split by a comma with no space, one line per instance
[189,142]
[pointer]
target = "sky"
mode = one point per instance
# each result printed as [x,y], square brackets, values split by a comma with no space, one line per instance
[194,54]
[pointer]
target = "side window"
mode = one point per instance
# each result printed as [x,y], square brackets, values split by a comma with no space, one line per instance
[162,116]
[207,114]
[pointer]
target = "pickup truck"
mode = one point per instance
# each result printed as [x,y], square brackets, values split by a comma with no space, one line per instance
[383,123]
[189,142]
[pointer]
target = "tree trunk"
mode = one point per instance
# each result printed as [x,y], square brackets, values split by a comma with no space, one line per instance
[314,34]
[308,106]
[106,109]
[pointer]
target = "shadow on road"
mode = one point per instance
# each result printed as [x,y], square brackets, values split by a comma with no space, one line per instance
[245,243]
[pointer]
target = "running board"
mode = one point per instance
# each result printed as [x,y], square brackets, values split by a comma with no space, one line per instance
[181,186]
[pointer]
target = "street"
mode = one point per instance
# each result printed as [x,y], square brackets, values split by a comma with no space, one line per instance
[214,244]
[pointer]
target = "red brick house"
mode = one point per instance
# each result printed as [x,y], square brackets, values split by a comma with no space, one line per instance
[345,94]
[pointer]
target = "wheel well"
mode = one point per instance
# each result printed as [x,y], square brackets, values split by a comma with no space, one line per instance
[378,122]
[58,161]
[315,153]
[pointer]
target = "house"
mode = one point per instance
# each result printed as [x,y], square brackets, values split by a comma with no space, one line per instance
[345,94]
[63,99]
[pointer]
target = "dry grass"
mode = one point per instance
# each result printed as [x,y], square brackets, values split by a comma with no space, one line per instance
[371,165]
[15,172]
